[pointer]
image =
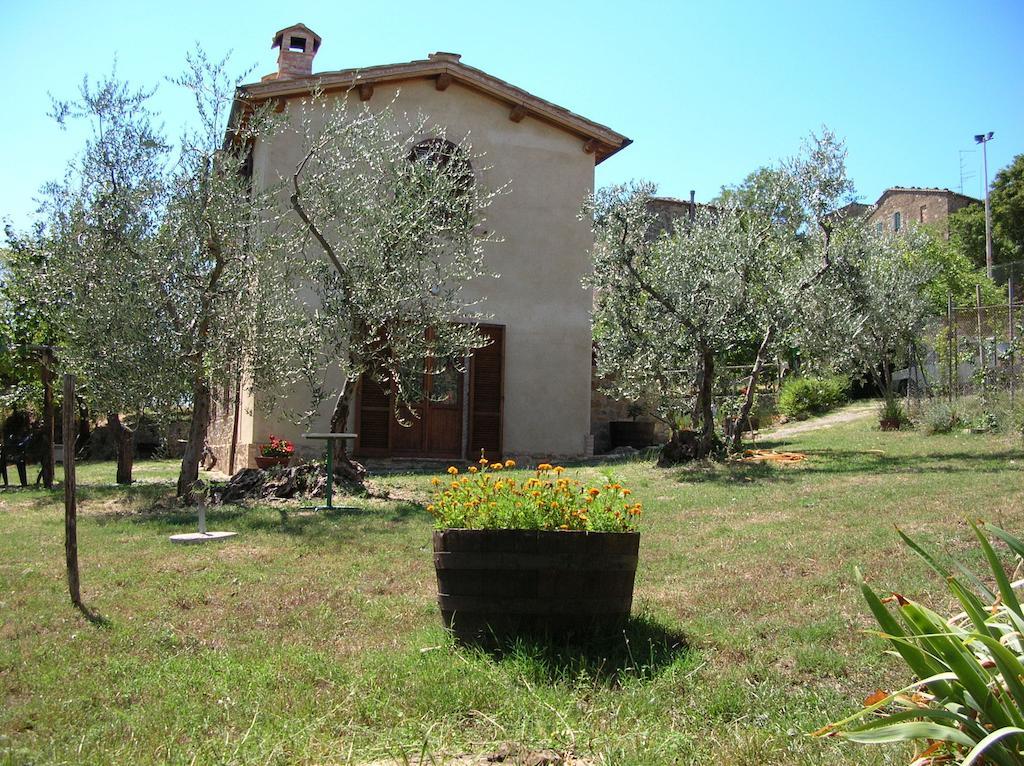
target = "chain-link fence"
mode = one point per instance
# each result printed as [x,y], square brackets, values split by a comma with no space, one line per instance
[972,350]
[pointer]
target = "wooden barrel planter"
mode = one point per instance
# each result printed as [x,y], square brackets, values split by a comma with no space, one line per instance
[494,584]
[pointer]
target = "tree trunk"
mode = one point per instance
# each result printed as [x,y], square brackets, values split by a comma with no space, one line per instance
[84,428]
[748,399]
[70,499]
[345,468]
[125,448]
[197,430]
[46,459]
[705,397]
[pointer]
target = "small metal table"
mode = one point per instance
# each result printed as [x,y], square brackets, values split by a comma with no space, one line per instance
[330,438]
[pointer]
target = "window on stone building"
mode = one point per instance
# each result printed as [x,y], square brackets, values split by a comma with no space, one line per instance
[878,227]
[896,221]
[921,213]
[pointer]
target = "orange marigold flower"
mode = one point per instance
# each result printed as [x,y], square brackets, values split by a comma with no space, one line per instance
[558,469]
[473,469]
[482,461]
[452,470]
[496,466]
[435,481]
[627,492]
[510,463]
[594,492]
[544,467]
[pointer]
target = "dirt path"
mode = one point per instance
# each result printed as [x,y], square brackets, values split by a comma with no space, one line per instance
[847,414]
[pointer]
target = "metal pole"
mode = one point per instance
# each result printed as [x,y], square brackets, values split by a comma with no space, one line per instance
[983,139]
[330,474]
[988,216]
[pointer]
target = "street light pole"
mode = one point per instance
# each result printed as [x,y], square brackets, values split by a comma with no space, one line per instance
[983,139]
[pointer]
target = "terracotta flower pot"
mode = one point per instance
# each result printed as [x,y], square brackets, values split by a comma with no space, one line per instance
[264,462]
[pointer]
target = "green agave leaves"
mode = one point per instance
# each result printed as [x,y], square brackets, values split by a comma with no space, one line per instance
[968,705]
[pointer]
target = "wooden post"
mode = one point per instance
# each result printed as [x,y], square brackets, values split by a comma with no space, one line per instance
[981,339]
[46,377]
[951,365]
[70,505]
[1013,340]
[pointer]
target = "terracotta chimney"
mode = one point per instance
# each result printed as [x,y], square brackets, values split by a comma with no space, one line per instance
[298,45]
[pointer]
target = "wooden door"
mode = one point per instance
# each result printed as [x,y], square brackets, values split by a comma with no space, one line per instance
[444,413]
[486,396]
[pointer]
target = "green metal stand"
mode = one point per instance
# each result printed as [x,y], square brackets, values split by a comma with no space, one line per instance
[330,438]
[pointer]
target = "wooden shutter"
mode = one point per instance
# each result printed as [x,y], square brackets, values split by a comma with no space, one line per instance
[485,394]
[374,417]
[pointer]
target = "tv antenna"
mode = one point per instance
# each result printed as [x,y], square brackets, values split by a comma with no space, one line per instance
[966,174]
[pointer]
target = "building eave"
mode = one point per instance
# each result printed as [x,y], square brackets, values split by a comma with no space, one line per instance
[598,139]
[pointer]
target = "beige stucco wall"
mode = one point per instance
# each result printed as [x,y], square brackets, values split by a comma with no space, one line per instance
[541,260]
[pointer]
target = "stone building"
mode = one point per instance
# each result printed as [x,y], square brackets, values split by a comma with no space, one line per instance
[529,393]
[902,206]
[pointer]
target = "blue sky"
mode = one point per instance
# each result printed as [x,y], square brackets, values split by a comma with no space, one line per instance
[707,90]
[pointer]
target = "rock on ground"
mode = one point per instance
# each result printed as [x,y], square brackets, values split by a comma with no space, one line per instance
[509,755]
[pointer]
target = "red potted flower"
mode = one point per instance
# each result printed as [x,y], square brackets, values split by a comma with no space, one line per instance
[275,452]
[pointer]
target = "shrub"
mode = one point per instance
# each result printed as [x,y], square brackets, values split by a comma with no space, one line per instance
[483,498]
[800,398]
[967,704]
[941,417]
[892,416]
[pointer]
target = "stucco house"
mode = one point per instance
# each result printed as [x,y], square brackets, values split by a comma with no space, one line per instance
[529,392]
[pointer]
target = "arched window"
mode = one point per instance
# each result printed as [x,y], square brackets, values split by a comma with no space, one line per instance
[441,153]
[447,172]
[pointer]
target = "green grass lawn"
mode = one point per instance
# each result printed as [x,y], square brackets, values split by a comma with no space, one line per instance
[316,639]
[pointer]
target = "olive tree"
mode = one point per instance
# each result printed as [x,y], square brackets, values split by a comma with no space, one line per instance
[393,213]
[874,305]
[229,285]
[100,237]
[727,282]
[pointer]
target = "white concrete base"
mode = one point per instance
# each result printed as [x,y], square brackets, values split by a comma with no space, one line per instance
[191,538]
